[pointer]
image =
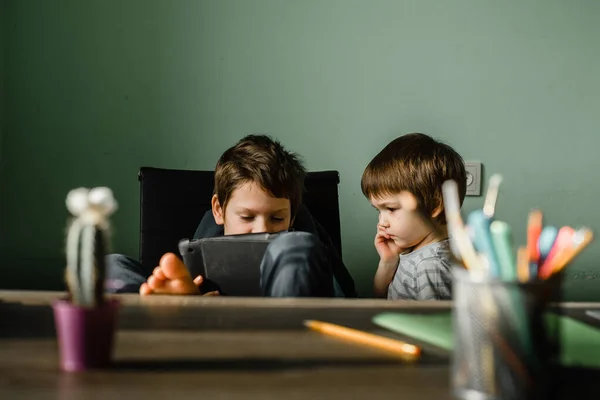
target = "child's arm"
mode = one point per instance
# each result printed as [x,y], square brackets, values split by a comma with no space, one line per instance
[389,257]
[383,278]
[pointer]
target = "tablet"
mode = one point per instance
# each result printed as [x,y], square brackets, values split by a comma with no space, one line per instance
[229,264]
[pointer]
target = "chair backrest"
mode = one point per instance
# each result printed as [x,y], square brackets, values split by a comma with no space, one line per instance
[172,203]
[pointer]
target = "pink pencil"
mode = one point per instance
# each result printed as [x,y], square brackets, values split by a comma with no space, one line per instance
[563,243]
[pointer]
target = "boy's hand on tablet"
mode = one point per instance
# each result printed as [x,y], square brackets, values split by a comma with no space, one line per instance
[199,280]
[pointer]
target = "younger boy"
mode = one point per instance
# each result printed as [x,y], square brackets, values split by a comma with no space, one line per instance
[258,188]
[404,183]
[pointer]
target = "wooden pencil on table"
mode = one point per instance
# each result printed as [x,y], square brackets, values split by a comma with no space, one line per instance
[405,350]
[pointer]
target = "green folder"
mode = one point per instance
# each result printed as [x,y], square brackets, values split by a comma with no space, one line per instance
[580,342]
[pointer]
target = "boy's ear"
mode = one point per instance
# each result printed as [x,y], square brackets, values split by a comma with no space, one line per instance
[438,210]
[217,210]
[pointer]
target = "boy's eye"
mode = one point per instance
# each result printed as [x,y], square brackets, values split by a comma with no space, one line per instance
[390,209]
[277,219]
[246,218]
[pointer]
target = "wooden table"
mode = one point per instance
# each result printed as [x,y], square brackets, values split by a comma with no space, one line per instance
[216,347]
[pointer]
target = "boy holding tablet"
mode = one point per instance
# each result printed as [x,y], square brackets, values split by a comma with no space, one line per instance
[258,188]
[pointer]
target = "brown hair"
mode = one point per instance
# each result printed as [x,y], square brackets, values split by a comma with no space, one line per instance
[263,160]
[418,164]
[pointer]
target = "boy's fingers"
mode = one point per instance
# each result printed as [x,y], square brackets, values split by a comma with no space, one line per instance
[198,280]
[213,293]
[381,238]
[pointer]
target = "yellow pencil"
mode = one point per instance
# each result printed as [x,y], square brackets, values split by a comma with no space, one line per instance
[405,350]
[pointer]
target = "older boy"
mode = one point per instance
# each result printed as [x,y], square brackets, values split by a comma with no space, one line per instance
[404,183]
[258,188]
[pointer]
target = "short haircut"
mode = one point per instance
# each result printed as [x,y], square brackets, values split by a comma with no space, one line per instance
[264,161]
[418,164]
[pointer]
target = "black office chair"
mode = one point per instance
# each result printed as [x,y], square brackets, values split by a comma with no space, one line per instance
[172,203]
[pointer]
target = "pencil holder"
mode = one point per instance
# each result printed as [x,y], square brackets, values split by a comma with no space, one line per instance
[506,338]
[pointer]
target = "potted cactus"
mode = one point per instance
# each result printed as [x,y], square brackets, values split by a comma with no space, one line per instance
[85,321]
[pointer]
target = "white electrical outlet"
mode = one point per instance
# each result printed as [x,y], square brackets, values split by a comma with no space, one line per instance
[473,170]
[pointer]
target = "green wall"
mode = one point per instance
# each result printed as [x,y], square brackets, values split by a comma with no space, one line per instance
[96,89]
[2,88]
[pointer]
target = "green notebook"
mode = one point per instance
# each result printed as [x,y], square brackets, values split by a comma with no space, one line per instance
[580,342]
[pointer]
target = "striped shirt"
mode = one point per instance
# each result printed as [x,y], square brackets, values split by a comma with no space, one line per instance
[424,274]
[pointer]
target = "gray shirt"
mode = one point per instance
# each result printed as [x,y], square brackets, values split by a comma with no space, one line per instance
[424,274]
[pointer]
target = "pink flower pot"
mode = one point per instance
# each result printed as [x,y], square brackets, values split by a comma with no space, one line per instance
[85,335]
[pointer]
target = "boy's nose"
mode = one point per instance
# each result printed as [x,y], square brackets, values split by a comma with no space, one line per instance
[383,222]
[260,226]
